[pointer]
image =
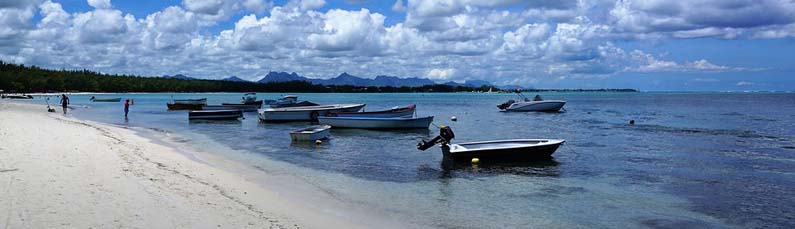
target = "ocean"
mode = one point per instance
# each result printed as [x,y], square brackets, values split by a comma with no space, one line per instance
[695,160]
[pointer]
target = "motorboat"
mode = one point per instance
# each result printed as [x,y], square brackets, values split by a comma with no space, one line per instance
[311,133]
[244,108]
[407,111]
[377,123]
[247,100]
[499,150]
[187,104]
[215,114]
[111,100]
[289,101]
[17,96]
[536,104]
[306,113]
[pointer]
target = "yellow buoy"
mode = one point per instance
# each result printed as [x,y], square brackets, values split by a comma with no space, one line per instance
[318,142]
[475,160]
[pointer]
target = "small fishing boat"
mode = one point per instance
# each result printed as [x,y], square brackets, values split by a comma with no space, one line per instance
[377,123]
[247,100]
[500,150]
[307,113]
[244,108]
[109,100]
[187,104]
[289,101]
[407,111]
[17,96]
[537,104]
[311,133]
[215,114]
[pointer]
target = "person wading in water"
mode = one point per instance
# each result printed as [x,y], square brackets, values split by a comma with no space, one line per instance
[126,107]
[64,102]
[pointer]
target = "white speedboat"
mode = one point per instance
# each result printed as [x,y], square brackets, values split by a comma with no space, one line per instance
[306,113]
[311,133]
[537,104]
[377,123]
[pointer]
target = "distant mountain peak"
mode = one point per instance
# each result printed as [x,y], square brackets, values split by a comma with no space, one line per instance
[234,79]
[179,76]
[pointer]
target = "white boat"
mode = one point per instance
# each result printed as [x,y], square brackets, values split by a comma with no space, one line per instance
[377,123]
[242,107]
[216,114]
[407,111]
[289,101]
[537,104]
[311,133]
[307,113]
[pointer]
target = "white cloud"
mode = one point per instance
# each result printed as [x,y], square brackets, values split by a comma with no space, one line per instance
[744,83]
[100,4]
[440,74]
[398,6]
[505,41]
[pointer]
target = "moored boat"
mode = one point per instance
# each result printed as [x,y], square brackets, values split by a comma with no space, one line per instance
[537,104]
[215,114]
[244,108]
[499,150]
[247,100]
[289,101]
[311,133]
[17,96]
[307,113]
[110,100]
[187,104]
[407,111]
[377,123]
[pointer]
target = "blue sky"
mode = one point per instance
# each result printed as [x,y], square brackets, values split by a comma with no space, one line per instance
[645,44]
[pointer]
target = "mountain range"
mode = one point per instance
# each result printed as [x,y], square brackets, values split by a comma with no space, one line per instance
[379,81]
[348,79]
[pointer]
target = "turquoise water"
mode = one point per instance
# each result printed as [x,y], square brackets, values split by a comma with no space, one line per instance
[691,159]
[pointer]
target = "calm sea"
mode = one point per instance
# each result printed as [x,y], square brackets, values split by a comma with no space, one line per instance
[691,159]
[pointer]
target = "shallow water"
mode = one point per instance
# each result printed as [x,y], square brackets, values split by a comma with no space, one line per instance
[691,159]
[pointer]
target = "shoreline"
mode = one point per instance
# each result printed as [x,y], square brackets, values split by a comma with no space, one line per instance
[100,175]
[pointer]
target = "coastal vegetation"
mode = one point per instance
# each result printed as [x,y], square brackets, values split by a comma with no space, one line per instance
[29,79]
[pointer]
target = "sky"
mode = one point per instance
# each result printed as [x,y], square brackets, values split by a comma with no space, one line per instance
[651,45]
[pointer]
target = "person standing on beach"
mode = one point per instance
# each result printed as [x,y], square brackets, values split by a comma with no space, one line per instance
[64,102]
[126,107]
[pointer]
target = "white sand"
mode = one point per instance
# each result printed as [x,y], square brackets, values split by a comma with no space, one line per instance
[56,171]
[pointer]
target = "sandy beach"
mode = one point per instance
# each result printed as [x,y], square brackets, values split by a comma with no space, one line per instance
[57,171]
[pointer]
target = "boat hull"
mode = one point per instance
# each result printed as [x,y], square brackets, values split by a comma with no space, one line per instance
[179,106]
[392,113]
[215,115]
[541,106]
[202,101]
[505,150]
[311,134]
[308,113]
[257,104]
[377,123]
[109,100]
[244,108]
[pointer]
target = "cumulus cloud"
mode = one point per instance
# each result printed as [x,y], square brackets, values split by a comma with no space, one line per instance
[503,41]
[100,4]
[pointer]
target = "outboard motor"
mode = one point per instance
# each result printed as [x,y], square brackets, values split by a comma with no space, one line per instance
[505,105]
[445,136]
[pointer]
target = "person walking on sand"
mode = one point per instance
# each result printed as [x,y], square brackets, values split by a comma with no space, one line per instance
[126,107]
[64,102]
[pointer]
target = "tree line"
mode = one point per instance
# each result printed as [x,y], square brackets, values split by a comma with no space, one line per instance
[28,79]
